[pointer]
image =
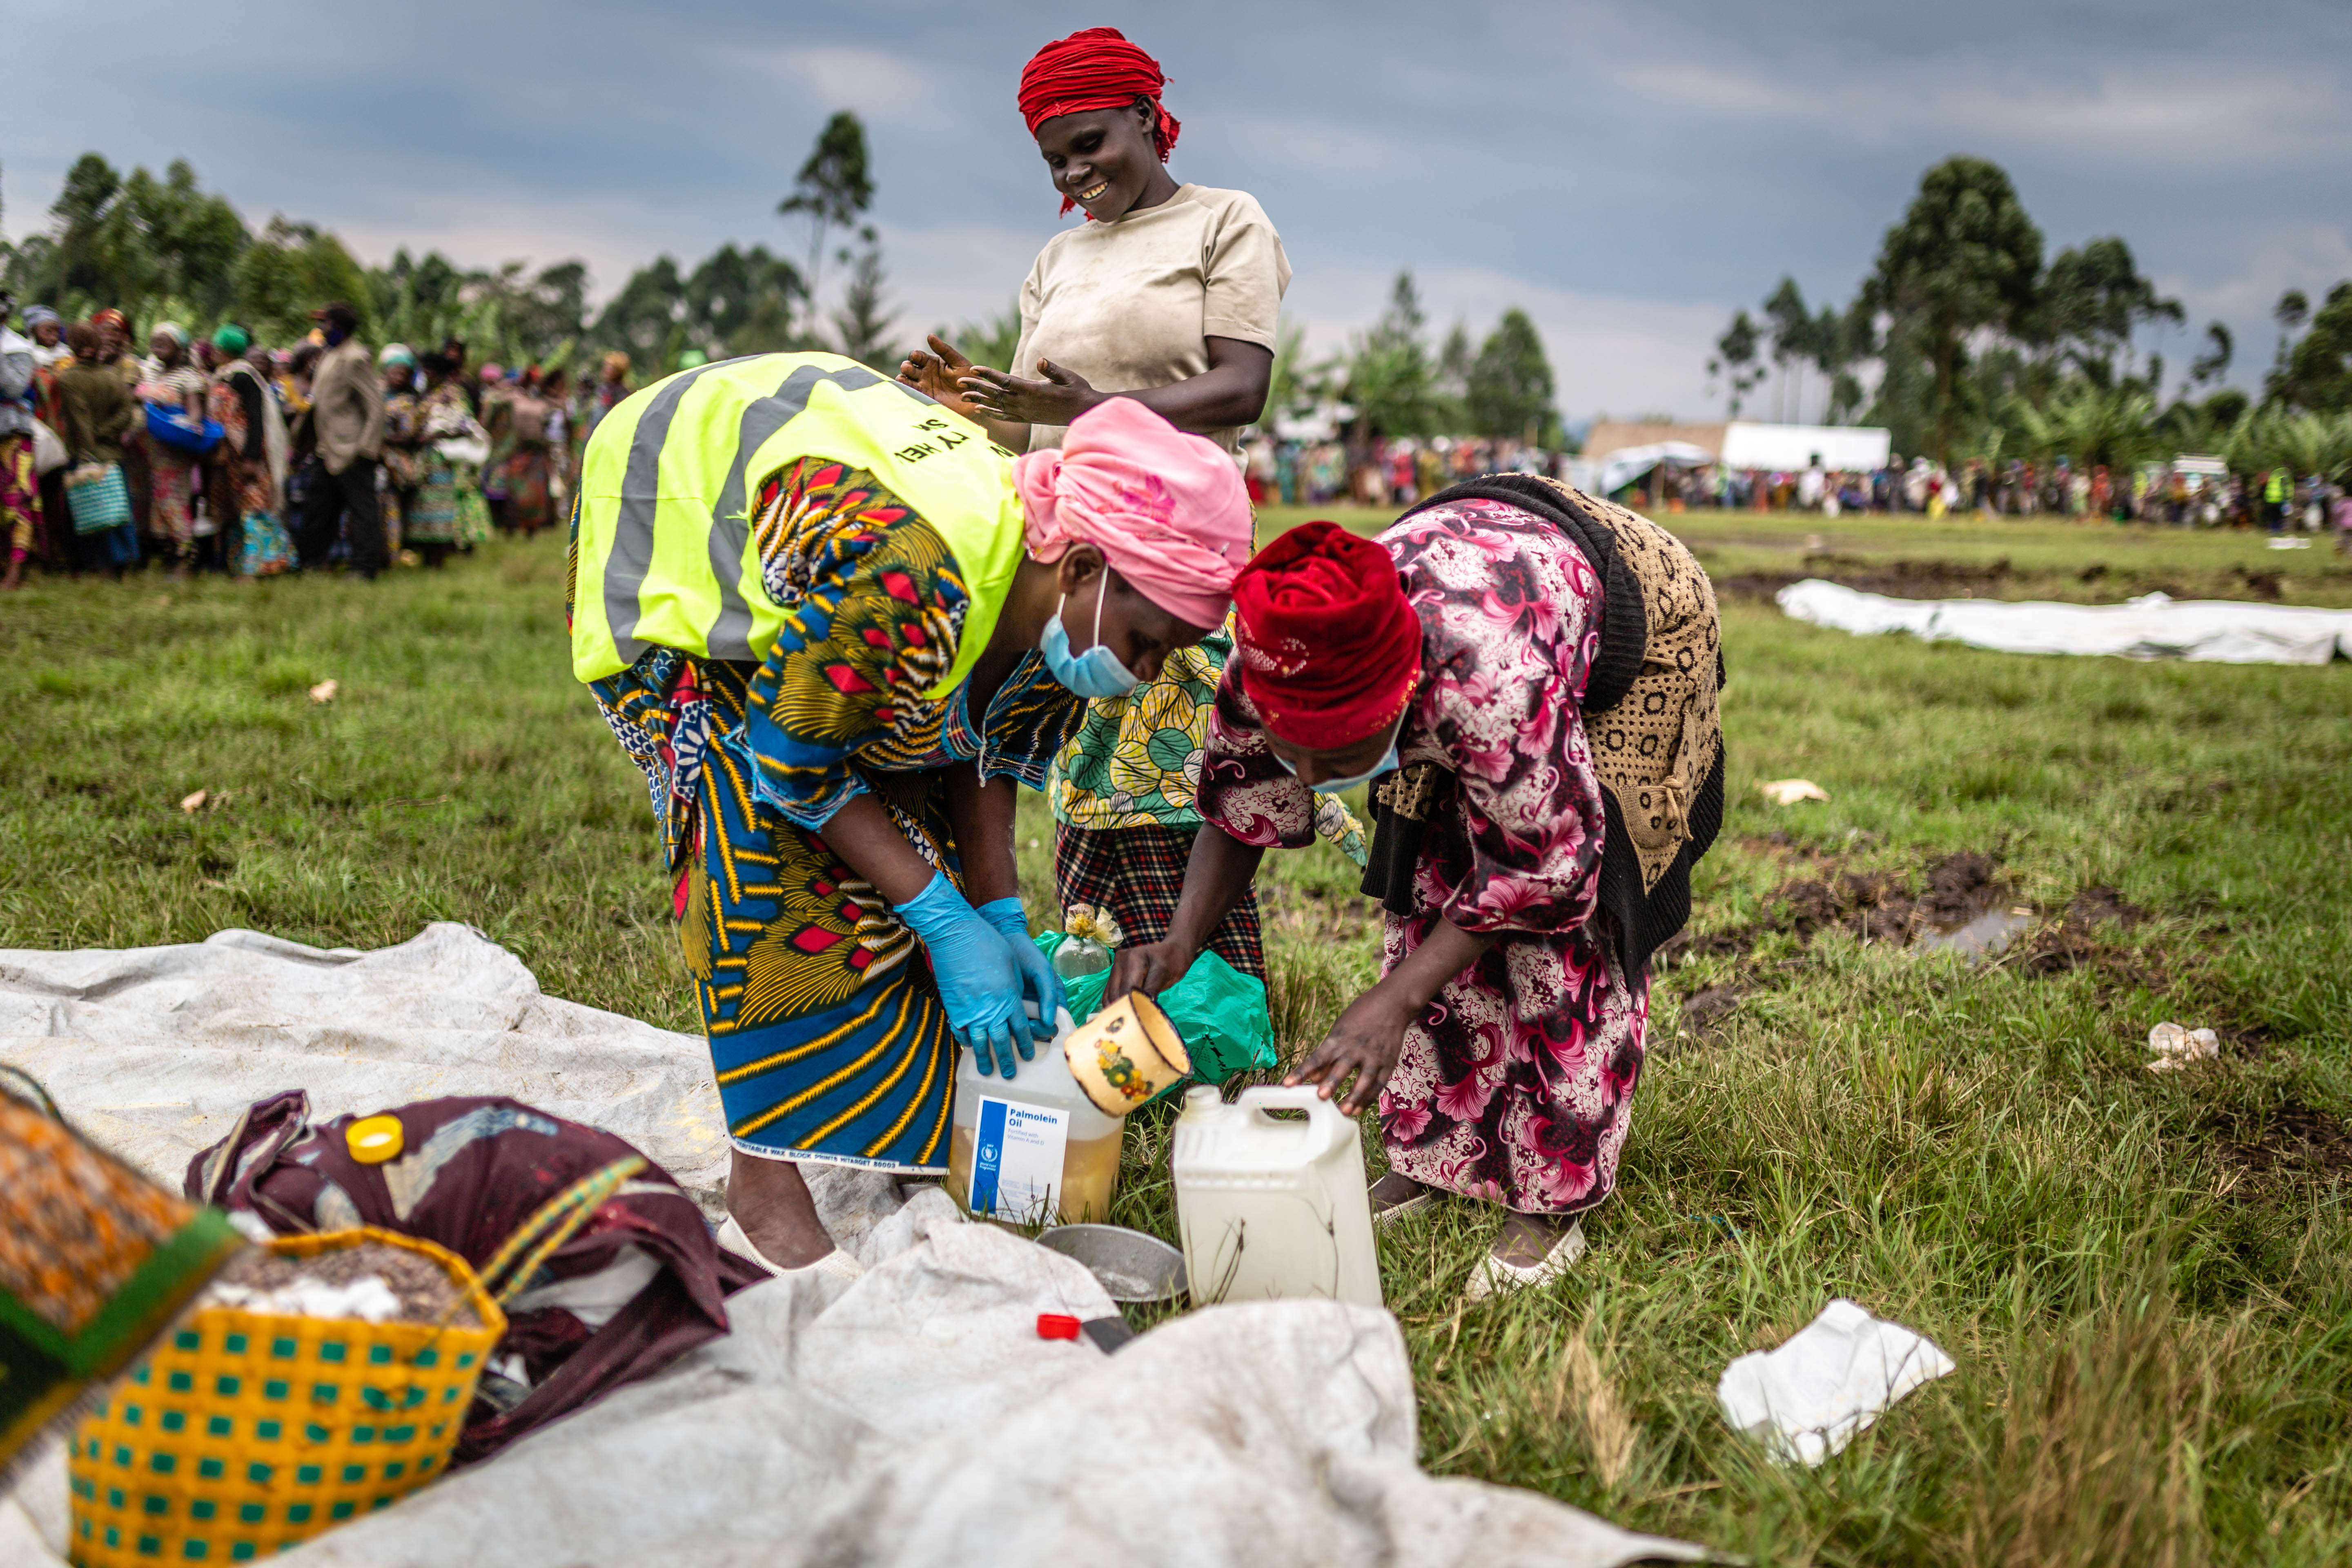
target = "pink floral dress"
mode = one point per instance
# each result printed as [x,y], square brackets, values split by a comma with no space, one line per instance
[1516,1084]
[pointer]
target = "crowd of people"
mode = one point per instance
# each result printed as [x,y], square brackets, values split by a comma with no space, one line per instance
[1288,471]
[217,452]
[2190,493]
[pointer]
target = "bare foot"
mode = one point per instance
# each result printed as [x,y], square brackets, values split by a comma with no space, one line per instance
[15,578]
[1527,1239]
[771,1200]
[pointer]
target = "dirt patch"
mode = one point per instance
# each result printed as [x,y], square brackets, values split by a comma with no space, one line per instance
[1703,1010]
[2099,904]
[1959,888]
[2261,584]
[2288,1145]
[2077,941]
[1309,912]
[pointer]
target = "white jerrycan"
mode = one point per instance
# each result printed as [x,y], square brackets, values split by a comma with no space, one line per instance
[1269,1208]
[1031,1148]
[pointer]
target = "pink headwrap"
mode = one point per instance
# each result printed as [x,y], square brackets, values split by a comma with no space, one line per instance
[1168,511]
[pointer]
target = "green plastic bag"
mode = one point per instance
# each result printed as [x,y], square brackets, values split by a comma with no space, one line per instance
[1220,1011]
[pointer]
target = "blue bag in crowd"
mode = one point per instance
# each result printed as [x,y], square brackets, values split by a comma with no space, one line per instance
[97,496]
[177,427]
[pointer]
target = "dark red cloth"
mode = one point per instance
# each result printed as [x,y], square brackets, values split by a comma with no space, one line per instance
[1327,648]
[472,1170]
[1094,68]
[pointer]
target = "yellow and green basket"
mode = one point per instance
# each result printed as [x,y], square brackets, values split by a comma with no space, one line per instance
[243,1433]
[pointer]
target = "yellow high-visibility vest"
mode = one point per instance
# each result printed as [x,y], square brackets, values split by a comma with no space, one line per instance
[662,550]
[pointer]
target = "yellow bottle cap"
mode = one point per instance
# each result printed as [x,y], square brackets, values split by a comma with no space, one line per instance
[375,1139]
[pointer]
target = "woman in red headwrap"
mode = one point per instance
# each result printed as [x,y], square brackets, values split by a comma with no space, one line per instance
[1453,658]
[1170,295]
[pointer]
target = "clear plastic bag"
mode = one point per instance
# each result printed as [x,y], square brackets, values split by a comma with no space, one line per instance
[1091,936]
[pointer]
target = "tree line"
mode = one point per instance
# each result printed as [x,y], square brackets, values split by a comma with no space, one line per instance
[166,250]
[1982,348]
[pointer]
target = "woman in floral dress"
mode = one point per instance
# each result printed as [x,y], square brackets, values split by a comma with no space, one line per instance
[1504,1041]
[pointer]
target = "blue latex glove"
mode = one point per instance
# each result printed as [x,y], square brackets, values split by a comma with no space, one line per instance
[1041,987]
[979,979]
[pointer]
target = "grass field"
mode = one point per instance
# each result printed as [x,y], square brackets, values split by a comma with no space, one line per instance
[2145,1279]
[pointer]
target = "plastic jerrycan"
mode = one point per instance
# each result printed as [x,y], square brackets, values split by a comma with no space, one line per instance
[1031,1148]
[1270,1207]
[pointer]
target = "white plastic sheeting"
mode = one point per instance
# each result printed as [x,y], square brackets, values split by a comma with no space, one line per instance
[2217,631]
[911,1418]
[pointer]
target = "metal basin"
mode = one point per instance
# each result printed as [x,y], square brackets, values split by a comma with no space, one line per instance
[1129,1264]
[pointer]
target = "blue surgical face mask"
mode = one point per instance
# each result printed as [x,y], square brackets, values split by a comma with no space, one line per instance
[1387,764]
[1094,673]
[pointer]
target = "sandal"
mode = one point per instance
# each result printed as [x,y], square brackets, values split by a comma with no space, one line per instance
[835,1265]
[1496,1276]
[1394,1196]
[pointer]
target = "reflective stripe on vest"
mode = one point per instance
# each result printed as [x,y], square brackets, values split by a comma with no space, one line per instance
[664,555]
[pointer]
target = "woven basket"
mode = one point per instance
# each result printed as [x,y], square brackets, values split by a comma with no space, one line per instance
[245,1433]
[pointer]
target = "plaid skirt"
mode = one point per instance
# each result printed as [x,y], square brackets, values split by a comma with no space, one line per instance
[1137,874]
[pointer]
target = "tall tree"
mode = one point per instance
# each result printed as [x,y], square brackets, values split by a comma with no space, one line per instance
[831,191]
[141,244]
[863,325]
[1793,342]
[291,271]
[1735,359]
[1965,256]
[1510,382]
[2091,299]
[2214,362]
[2317,375]
[1391,379]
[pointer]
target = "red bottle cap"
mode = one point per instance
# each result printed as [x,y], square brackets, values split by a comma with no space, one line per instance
[1057,1326]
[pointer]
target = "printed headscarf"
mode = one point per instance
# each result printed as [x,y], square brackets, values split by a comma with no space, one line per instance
[395,353]
[1094,67]
[1167,510]
[174,330]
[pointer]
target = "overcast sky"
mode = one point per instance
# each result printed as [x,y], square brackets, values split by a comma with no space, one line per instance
[1627,173]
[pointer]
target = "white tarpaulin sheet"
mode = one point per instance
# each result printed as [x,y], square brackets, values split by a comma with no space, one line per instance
[2217,631]
[912,1417]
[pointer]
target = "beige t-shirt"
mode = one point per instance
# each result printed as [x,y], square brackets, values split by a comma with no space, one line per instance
[1131,304]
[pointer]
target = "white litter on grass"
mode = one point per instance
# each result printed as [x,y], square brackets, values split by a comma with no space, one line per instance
[2213,631]
[323,692]
[2290,544]
[2176,1047]
[1789,792]
[367,1297]
[1810,1398]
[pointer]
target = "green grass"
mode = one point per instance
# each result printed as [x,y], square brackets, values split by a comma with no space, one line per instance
[2146,1280]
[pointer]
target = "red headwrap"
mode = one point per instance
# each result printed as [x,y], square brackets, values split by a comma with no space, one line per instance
[110,317]
[1094,67]
[1326,649]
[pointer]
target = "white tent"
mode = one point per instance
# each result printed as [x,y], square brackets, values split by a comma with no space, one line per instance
[1853,447]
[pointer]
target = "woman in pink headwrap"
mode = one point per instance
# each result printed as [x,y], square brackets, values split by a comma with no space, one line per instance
[1168,295]
[835,779]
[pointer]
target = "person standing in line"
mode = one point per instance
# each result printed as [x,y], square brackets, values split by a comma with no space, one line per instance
[347,422]
[611,386]
[1170,295]
[529,466]
[449,509]
[20,486]
[495,408]
[403,437]
[247,412]
[95,411]
[50,355]
[170,380]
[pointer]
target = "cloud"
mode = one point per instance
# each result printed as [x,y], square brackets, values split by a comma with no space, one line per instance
[1628,173]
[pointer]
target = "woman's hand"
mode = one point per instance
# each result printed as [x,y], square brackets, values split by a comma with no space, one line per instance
[1151,969]
[935,373]
[1060,397]
[1364,1044]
